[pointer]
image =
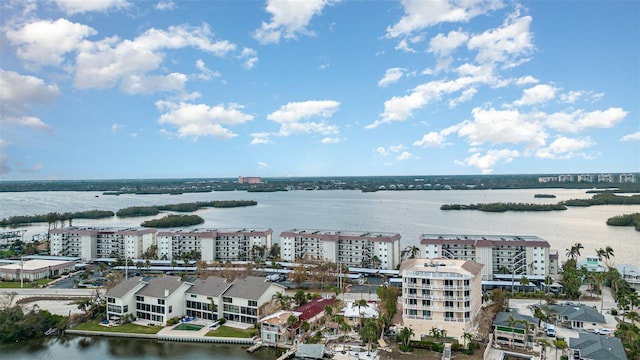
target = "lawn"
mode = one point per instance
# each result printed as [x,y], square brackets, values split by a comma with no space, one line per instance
[226,331]
[93,325]
[16,284]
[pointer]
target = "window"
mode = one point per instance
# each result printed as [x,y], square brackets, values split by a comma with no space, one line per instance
[139,298]
[227,299]
[448,304]
[253,303]
[160,301]
[111,300]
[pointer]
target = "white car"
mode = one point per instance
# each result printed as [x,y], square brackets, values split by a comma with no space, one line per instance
[603,331]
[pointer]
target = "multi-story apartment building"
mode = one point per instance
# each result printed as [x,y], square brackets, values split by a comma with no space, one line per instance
[605,178]
[588,178]
[216,244]
[441,293]
[515,255]
[249,180]
[627,178]
[90,242]
[351,248]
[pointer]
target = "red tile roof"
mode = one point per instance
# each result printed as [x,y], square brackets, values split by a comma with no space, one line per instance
[313,308]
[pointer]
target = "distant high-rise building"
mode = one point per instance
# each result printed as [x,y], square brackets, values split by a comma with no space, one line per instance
[249,180]
[92,242]
[627,178]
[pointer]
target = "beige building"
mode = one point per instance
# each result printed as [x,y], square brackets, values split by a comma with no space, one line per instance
[350,248]
[502,254]
[445,294]
[216,244]
[32,270]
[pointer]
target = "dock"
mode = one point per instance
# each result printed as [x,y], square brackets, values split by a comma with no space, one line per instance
[289,353]
[255,347]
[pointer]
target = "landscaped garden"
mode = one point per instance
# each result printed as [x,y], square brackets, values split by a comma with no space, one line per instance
[94,325]
[226,331]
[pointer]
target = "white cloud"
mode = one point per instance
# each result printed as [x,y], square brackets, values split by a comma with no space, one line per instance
[403,45]
[405,155]
[45,42]
[380,150]
[290,117]
[116,127]
[571,97]
[564,148]
[331,140]
[262,165]
[196,120]
[419,15]
[399,108]
[535,95]
[502,126]
[391,76]
[21,92]
[250,58]
[77,6]
[205,73]
[431,139]
[443,45]
[105,63]
[487,162]
[580,120]
[526,80]
[505,44]
[165,5]
[289,19]
[631,137]
[260,138]
[466,95]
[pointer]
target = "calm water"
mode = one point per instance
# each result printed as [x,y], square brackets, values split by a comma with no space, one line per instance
[409,213]
[76,347]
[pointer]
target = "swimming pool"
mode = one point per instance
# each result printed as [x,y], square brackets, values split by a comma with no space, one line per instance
[188,327]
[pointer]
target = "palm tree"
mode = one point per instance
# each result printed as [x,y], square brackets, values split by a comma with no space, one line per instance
[574,251]
[524,282]
[283,300]
[512,322]
[467,337]
[410,252]
[405,335]
[548,281]
[362,303]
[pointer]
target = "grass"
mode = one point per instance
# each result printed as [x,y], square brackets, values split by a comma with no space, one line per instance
[16,284]
[94,325]
[226,331]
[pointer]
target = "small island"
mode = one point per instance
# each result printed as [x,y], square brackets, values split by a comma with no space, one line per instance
[56,217]
[625,220]
[502,207]
[544,196]
[174,221]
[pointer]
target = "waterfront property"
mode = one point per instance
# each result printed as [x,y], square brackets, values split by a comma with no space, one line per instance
[441,293]
[630,274]
[513,255]
[93,242]
[356,315]
[511,327]
[351,248]
[589,346]
[276,330]
[159,299]
[32,270]
[216,244]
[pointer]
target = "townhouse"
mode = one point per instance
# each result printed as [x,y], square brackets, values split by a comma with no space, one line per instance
[441,293]
[504,255]
[159,299]
[350,248]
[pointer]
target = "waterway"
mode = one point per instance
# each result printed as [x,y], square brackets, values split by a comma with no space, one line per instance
[100,348]
[409,213]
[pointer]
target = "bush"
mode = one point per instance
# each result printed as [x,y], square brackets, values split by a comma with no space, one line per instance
[614,312]
[221,321]
[405,348]
[173,321]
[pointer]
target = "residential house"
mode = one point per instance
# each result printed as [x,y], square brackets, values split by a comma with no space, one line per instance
[630,274]
[511,327]
[275,329]
[578,316]
[590,346]
[356,315]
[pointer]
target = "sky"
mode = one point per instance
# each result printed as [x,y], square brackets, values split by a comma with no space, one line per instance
[112,89]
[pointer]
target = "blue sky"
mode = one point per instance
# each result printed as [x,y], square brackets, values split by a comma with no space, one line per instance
[170,89]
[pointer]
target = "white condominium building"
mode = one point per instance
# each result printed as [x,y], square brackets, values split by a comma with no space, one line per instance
[501,254]
[445,294]
[216,244]
[90,242]
[351,248]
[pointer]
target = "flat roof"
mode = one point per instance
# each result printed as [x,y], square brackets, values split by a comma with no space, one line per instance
[35,264]
[484,240]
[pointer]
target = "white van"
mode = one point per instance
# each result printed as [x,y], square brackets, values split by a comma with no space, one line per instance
[551,330]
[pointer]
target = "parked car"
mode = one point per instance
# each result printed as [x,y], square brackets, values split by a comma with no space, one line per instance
[551,330]
[603,331]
